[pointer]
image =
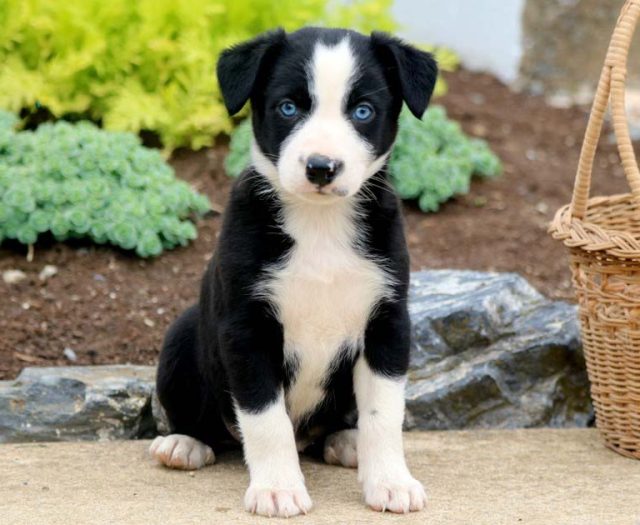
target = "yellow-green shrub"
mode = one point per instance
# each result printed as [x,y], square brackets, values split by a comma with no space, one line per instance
[145,64]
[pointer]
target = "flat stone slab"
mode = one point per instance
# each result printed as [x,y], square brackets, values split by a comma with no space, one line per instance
[487,477]
[78,403]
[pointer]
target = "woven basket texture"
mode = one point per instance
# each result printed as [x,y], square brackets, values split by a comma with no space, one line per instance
[603,237]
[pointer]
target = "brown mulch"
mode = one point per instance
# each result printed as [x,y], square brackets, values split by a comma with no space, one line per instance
[110,307]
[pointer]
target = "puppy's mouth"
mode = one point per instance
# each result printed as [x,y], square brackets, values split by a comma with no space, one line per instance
[328,192]
[322,194]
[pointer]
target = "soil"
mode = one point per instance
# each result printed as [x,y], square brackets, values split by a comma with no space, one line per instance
[108,306]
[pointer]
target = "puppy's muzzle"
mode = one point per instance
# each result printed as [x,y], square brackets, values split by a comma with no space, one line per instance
[322,170]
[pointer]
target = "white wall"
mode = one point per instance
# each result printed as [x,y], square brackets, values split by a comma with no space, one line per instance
[486,34]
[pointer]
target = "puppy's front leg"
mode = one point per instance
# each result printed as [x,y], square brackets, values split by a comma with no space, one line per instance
[386,481]
[379,380]
[277,485]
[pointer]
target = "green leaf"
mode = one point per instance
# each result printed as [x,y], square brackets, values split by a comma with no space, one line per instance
[123,234]
[60,225]
[27,235]
[239,149]
[20,197]
[149,245]
[79,219]
[40,220]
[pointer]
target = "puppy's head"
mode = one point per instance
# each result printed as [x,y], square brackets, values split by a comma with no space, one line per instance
[325,104]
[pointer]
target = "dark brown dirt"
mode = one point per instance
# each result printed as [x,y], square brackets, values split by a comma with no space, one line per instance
[110,307]
[502,223]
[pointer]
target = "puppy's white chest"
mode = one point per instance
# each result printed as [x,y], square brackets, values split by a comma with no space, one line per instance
[324,294]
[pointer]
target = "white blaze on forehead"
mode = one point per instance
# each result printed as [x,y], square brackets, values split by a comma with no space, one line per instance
[331,74]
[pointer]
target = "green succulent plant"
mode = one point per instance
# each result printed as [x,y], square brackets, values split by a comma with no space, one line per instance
[75,180]
[432,160]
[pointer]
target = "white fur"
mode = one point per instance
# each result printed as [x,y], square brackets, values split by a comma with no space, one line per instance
[277,484]
[328,131]
[324,293]
[263,164]
[386,481]
[341,448]
[181,452]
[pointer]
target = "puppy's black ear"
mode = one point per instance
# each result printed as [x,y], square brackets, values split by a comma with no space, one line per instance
[414,71]
[239,66]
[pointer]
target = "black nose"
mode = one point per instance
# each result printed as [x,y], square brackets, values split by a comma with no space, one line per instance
[322,170]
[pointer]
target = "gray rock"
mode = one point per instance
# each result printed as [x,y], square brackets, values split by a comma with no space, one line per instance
[77,403]
[490,351]
[13,276]
[47,272]
[70,354]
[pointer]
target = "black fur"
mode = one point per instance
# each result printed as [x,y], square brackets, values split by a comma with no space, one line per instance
[413,72]
[239,68]
[231,343]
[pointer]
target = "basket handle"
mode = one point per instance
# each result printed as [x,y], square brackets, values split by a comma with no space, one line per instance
[611,86]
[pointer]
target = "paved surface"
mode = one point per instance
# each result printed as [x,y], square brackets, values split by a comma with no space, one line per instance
[528,477]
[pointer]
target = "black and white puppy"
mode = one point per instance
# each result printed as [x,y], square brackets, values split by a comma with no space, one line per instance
[303,314]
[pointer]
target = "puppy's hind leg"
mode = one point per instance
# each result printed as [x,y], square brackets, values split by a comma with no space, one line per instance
[181,452]
[340,448]
[181,390]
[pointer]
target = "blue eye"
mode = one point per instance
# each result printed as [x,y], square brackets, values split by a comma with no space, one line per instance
[288,109]
[363,112]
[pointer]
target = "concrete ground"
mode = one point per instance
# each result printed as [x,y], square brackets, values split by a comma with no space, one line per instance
[528,477]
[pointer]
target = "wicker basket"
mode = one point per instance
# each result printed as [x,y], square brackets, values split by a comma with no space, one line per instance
[603,237]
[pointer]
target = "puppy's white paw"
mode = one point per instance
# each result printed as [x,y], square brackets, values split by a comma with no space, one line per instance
[340,448]
[401,496]
[181,452]
[281,503]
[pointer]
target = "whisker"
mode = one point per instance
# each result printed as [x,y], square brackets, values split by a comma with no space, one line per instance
[367,194]
[383,186]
